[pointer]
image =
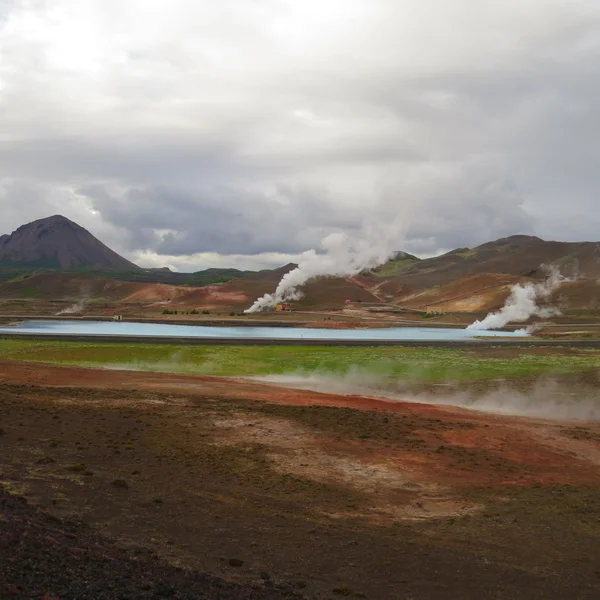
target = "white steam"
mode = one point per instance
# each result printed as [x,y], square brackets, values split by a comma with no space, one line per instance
[86,294]
[546,400]
[78,307]
[342,257]
[523,303]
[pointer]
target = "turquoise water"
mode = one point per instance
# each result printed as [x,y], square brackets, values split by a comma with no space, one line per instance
[276,333]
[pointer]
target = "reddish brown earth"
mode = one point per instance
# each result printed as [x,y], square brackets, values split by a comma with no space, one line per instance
[559,460]
[327,495]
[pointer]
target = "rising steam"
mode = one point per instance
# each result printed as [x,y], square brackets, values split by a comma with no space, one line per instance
[78,307]
[523,303]
[342,257]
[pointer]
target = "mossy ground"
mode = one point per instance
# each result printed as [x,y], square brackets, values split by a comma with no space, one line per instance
[422,364]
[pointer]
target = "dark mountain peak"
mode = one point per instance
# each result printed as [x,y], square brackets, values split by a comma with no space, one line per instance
[55,223]
[54,220]
[58,243]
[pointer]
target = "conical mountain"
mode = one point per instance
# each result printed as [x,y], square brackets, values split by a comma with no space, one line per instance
[58,243]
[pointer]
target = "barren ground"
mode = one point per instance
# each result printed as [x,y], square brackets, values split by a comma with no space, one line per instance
[328,495]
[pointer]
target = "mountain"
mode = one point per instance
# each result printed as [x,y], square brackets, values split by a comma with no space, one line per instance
[480,278]
[472,280]
[520,255]
[58,243]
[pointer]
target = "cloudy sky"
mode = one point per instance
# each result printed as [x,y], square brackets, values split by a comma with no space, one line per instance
[196,133]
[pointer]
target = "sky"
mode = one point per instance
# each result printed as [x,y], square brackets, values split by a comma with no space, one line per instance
[240,133]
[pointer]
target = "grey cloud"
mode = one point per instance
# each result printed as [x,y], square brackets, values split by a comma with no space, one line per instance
[258,134]
[116,158]
[458,208]
[465,208]
[175,221]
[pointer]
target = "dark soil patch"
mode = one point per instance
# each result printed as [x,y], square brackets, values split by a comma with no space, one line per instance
[45,557]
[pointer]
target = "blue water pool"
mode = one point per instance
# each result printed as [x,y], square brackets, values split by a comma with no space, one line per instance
[86,328]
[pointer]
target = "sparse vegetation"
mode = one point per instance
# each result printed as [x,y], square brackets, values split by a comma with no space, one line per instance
[582,433]
[10,272]
[343,591]
[77,468]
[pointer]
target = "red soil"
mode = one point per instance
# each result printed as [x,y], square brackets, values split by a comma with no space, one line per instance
[458,446]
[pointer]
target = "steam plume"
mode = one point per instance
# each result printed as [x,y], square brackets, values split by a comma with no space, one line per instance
[523,303]
[342,256]
[74,308]
[78,307]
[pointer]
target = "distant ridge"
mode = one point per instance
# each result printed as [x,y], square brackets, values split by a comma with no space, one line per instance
[54,259]
[520,255]
[58,243]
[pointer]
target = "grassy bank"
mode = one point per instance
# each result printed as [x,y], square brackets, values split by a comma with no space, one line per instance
[426,364]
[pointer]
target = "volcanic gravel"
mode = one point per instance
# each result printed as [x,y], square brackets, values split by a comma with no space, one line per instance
[45,558]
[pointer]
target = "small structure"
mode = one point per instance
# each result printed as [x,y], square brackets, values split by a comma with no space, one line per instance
[283,306]
[117,317]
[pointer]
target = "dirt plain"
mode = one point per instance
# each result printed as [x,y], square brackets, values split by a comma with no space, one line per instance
[280,492]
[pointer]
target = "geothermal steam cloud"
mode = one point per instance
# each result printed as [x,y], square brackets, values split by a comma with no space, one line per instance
[523,303]
[342,257]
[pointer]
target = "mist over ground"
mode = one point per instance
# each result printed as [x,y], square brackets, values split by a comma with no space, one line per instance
[547,400]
